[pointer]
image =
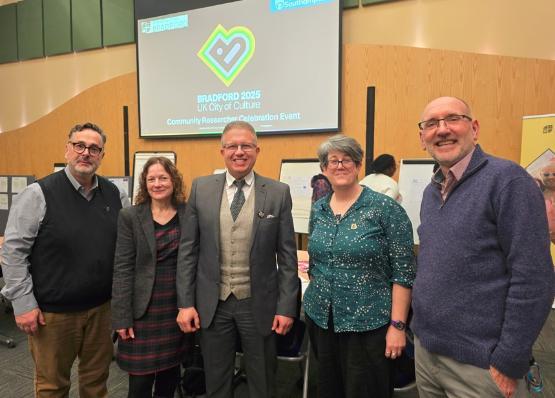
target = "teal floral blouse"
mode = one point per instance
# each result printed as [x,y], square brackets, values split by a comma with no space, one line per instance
[355,260]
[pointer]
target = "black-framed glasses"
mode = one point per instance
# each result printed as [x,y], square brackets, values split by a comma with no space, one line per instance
[243,147]
[346,163]
[79,147]
[448,120]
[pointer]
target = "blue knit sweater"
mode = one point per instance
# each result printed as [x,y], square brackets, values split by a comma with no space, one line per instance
[484,280]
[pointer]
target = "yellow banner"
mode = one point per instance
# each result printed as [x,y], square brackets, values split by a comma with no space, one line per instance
[538,157]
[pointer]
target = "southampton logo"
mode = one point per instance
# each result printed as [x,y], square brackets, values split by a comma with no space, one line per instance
[226,52]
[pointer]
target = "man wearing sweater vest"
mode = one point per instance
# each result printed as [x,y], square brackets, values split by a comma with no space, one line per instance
[483,286]
[57,262]
[237,267]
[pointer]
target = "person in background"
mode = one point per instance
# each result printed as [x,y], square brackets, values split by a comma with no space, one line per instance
[361,271]
[238,267]
[547,175]
[144,305]
[483,289]
[320,186]
[57,261]
[380,178]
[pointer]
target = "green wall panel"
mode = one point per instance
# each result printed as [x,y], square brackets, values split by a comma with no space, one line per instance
[368,2]
[350,3]
[57,27]
[30,42]
[8,33]
[86,26]
[117,22]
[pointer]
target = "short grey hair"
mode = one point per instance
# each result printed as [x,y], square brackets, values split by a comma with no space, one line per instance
[341,143]
[239,124]
[87,126]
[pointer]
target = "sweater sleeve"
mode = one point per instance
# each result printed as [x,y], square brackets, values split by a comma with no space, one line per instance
[523,237]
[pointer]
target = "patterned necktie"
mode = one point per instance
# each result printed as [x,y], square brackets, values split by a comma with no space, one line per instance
[238,199]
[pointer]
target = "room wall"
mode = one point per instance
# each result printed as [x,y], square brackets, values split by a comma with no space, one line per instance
[497,27]
[500,89]
[41,99]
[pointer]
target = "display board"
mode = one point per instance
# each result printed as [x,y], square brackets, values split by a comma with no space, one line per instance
[274,64]
[414,176]
[538,154]
[10,186]
[139,161]
[297,173]
[124,184]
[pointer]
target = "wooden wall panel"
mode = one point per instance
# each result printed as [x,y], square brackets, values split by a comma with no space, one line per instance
[500,90]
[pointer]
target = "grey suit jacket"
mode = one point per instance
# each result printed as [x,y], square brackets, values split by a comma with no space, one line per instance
[273,288]
[135,263]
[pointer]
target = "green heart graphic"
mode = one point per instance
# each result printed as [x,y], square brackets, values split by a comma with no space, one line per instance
[226,52]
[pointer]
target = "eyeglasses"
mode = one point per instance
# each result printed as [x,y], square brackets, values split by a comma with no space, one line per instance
[79,147]
[346,163]
[549,174]
[243,147]
[449,120]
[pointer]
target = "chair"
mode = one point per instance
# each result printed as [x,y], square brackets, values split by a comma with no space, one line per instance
[193,382]
[289,349]
[5,340]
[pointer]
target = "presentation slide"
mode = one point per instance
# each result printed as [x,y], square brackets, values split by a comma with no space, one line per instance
[272,63]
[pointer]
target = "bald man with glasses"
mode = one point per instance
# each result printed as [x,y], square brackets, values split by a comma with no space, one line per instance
[57,261]
[484,280]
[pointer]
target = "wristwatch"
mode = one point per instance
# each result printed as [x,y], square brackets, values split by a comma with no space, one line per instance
[400,325]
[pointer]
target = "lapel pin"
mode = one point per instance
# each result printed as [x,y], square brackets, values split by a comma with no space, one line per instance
[261,214]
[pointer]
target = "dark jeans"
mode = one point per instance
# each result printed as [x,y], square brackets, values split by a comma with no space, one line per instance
[165,382]
[351,364]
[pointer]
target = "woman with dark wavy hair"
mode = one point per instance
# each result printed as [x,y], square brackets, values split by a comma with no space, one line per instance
[144,298]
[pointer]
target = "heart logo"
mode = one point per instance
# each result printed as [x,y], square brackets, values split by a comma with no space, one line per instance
[226,52]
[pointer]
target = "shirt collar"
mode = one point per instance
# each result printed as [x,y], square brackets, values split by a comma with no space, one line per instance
[229,179]
[75,183]
[457,170]
[460,167]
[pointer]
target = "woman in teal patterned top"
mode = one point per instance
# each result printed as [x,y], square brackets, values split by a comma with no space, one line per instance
[361,273]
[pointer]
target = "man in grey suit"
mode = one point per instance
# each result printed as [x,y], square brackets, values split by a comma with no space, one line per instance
[237,225]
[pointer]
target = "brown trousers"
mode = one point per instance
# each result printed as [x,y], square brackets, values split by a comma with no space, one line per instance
[66,336]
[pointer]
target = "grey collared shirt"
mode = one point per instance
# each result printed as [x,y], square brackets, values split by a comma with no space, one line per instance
[24,221]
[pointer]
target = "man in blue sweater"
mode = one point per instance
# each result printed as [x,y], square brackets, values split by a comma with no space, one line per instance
[483,287]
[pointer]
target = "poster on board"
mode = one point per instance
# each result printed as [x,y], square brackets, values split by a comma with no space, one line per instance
[414,177]
[297,173]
